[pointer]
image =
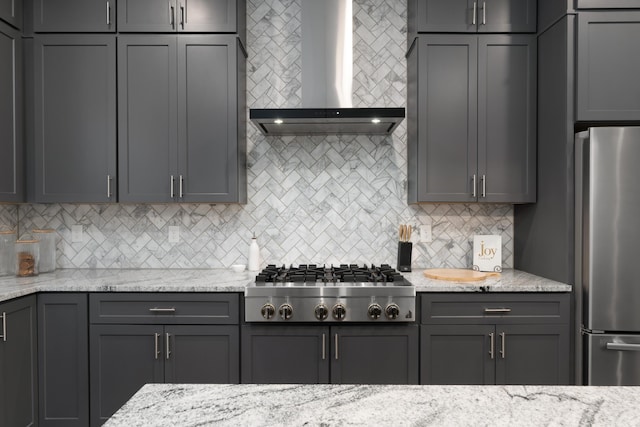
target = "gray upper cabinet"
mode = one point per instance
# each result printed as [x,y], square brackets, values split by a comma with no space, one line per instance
[18,388]
[471,16]
[74,16]
[608,66]
[75,118]
[11,12]
[11,136]
[181,103]
[192,16]
[472,113]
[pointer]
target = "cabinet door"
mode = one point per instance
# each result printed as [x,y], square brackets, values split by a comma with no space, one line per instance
[285,354]
[202,354]
[507,118]
[374,355]
[75,118]
[608,66]
[63,359]
[457,354]
[532,354]
[208,16]
[147,118]
[122,359]
[207,123]
[447,118]
[11,12]
[444,16]
[18,362]
[74,16]
[507,16]
[147,16]
[11,139]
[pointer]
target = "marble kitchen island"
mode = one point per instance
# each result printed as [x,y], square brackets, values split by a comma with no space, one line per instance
[180,405]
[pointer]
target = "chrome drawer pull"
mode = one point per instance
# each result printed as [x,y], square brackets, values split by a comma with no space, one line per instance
[162,310]
[497,310]
[167,335]
[623,346]
[157,350]
[493,337]
[503,350]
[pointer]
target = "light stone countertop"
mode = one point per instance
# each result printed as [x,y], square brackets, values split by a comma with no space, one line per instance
[222,280]
[180,405]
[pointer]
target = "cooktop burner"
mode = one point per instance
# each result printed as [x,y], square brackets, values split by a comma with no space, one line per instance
[313,274]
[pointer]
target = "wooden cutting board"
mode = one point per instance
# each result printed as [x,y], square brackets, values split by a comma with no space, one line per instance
[458,274]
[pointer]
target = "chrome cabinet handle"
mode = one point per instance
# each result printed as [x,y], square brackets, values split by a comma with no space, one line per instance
[162,310]
[484,13]
[180,183]
[336,345]
[157,348]
[492,345]
[4,326]
[622,346]
[503,350]
[108,186]
[484,186]
[167,335]
[324,346]
[108,13]
[182,16]
[172,179]
[473,186]
[172,16]
[475,11]
[497,310]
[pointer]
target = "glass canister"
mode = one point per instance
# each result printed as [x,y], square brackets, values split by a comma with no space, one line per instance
[27,256]
[7,242]
[47,240]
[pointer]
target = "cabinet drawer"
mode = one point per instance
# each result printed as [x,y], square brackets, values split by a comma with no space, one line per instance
[495,308]
[170,308]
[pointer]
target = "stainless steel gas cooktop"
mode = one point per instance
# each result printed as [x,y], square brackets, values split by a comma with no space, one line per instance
[344,293]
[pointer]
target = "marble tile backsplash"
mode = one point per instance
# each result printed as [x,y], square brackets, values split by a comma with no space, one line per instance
[310,199]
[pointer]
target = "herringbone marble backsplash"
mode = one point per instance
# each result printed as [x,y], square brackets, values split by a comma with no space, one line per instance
[310,199]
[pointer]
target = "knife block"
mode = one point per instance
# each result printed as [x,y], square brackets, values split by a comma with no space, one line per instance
[404,256]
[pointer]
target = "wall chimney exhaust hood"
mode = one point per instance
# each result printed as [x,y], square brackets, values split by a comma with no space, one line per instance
[327,62]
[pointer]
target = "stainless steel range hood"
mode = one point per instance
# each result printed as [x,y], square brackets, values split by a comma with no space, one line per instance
[327,62]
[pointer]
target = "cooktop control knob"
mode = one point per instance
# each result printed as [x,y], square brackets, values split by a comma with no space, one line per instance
[321,311]
[339,311]
[374,311]
[392,311]
[286,311]
[268,310]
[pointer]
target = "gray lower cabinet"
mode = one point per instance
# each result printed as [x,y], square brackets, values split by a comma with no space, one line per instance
[608,65]
[470,16]
[205,16]
[11,119]
[11,12]
[495,339]
[337,354]
[18,387]
[74,16]
[136,339]
[471,111]
[63,359]
[75,118]
[181,102]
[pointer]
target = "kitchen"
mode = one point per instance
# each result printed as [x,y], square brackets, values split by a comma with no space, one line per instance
[327,199]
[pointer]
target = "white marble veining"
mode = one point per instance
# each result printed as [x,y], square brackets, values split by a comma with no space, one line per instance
[193,405]
[507,281]
[223,280]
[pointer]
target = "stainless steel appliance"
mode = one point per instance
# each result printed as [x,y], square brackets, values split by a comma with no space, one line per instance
[607,248]
[346,293]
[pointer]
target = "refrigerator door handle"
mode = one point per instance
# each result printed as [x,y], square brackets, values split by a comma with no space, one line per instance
[623,346]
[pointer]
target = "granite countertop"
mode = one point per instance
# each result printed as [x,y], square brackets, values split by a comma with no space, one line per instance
[222,280]
[181,405]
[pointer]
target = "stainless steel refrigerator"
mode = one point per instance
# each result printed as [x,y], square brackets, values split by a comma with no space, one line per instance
[608,252]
